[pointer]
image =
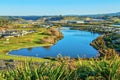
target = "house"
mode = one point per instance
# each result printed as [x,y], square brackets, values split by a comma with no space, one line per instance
[2,30]
[75,21]
[15,33]
[80,22]
[94,20]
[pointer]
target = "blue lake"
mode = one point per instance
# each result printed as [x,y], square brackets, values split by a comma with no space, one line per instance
[75,43]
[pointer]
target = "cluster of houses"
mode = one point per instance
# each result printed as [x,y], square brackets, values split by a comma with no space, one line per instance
[46,25]
[14,33]
[111,29]
[105,29]
[84,21]
[77,21]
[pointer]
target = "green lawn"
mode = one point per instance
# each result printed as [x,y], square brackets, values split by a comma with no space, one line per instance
[27,41]
[22,58]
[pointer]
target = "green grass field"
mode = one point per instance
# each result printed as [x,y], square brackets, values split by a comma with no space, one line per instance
[26,41]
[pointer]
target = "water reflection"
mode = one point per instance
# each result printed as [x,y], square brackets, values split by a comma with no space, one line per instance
[46,47]
[30,49]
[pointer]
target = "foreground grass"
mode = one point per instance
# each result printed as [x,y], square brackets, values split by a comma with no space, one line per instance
[93,69]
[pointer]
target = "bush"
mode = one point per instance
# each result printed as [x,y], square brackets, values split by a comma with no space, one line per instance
[86,70]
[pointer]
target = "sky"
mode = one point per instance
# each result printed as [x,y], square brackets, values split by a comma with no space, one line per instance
[57,7]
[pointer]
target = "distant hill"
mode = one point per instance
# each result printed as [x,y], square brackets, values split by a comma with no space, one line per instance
[59,17]
[99,15]
[114,14]
[23,17]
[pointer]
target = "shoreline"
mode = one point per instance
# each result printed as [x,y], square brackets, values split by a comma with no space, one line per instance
[42,45]
[68,56]
[97,47]
[34,36]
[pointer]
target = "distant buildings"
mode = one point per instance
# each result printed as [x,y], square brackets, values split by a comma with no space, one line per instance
[75,21]
[15,33]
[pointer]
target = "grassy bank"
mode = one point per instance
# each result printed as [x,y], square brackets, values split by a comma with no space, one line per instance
[22,58]
[29,40]
[113,41]
[26,41]
[104,46]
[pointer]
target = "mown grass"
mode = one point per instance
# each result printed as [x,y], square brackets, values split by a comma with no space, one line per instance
[93,69]
[26,41]
[20,42]
[21,58]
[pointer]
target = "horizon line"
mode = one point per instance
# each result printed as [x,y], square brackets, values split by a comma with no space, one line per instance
[65,14]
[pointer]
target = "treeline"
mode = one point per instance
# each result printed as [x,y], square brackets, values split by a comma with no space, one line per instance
[5,22]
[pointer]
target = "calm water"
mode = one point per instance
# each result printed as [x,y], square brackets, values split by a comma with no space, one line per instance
[75,43]
[116,25]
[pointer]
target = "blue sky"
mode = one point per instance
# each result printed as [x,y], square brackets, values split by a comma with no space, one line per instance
[58,7]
